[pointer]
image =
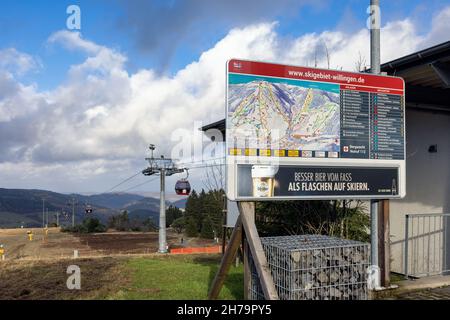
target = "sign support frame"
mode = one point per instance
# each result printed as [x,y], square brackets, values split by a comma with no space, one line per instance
[380,237]
[245,226]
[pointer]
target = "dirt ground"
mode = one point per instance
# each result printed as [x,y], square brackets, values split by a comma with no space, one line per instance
[62,245]
[37,269]
[34,280]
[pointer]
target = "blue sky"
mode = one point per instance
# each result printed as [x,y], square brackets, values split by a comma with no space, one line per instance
[26,25]
[79,108]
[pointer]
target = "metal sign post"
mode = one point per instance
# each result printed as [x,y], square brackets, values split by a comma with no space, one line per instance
[377,211]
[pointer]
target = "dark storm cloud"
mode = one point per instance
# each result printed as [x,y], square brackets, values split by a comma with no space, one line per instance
[8,86]
[161,27]
[17,137]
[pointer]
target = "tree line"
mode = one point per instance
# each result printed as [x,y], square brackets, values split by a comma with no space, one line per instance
[203,216]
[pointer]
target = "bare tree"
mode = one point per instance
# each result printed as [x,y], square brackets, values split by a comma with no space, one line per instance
[327,54]
[315,58]
[317,53]
[360,64]
[214,176]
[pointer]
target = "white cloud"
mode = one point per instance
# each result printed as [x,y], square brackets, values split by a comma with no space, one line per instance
[16,62]
[439,28]
[100,59]
[74,41]
[103,116]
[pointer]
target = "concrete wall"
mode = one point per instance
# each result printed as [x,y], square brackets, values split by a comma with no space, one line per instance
[428,175]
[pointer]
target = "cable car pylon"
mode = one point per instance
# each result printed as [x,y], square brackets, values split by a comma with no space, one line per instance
[164,167]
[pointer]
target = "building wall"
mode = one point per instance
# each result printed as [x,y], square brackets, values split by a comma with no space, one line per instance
[428,175]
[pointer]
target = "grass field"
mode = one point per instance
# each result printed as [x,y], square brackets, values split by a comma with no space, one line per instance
[156,277]
[179,277]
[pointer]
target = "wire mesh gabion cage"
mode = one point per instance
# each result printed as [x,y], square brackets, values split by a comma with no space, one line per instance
[313,267]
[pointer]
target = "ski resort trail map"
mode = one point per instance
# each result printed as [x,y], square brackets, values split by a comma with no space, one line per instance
[306,114]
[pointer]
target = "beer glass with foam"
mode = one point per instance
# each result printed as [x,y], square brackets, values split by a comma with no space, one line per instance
[263,178]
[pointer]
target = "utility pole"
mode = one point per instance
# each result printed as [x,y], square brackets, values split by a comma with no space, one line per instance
[73,210]
[47,218]
[164,167]
[57,218]
[43,213]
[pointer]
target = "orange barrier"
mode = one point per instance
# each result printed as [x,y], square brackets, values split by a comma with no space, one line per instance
[215,249]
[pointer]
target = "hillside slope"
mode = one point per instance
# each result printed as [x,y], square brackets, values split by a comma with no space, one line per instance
[24,206]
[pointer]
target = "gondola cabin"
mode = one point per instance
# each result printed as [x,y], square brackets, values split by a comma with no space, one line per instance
[183,187]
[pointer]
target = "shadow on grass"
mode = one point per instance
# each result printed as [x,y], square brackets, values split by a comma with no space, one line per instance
[234,281]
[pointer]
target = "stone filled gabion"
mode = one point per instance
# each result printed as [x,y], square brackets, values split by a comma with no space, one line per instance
[314,267]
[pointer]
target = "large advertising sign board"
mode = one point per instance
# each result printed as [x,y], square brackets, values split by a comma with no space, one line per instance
[306,133]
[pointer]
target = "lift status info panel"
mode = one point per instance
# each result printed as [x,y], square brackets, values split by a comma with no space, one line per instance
[307,133]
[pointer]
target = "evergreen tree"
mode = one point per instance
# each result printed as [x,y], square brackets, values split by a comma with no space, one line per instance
[172,213]
[120,222]
[191,227]
[179,224]
[204,214]
[333,218]
[192,203]
[207,229]
[200,214]
[204,217]
[149,225]
[193,211]
[213,211]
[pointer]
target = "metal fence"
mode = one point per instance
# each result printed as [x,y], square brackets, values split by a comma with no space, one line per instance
[314,267]
[255,291]
[426,245]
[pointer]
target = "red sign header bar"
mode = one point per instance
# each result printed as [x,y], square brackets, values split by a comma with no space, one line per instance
[364,81]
